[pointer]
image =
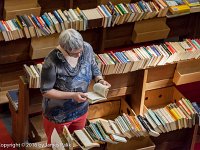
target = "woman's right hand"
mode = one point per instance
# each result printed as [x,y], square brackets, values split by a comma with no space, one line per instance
[79,96]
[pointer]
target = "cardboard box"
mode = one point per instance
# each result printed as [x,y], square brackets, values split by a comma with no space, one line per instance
[149,30]
[187,72]
[12,8]
[40,47]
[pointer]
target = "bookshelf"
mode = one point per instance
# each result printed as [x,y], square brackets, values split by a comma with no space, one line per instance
[133,87]
[134,90]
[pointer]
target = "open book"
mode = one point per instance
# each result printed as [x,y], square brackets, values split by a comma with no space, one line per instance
[99,93]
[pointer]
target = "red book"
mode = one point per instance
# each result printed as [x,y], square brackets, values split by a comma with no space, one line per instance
[39,20]
[189,40]
[32,22]
[136,54]
[115,57]
[102,60]
[198,41]
[171,49]
[6,25]
[184,107]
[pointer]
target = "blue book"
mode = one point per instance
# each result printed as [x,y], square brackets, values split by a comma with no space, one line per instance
[36,21]
[196,107]
[57,16]
[108,14]
[141,5]
[39,25]
[120,57]
[125,57]
[49,19]
[14,97]
[46,20]
[130,7]
[155,50]
[97,131]
[2,27]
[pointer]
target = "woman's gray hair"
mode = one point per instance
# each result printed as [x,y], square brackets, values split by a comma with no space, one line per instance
[70,40]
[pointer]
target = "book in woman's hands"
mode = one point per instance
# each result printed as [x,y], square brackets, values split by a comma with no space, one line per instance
[99,93]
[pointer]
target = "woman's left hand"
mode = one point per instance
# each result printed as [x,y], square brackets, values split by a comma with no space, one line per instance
[104,82]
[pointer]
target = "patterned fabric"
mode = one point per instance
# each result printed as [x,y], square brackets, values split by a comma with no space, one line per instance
[58,74]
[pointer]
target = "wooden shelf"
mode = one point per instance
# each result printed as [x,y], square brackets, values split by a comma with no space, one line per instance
[187,72]
[143,143]
[131,87]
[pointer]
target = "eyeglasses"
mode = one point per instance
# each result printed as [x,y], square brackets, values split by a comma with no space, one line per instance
[77,54]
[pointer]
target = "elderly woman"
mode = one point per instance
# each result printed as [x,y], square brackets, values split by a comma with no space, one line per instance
[66,75]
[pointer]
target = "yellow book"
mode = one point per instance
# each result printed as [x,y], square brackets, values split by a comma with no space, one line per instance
[176,116]
[137,126]
[177,6]
[179,9]
[192,3]
[78,10]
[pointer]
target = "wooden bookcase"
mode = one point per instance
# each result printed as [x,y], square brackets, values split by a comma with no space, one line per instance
[132,87]
[131,91]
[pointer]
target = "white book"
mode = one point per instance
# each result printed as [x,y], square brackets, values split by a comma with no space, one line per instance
[66,22]
[118,138]
[75,17]
[99,93]
[115,128]
[104,24]
[85,140]
[56,140]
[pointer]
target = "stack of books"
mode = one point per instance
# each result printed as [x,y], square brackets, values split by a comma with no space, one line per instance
[149,56]
[177,6]
[100,131]
[11,29]
[103,15]
[173,116]
[197,108]
[194,5]
[132,60]
[33,74]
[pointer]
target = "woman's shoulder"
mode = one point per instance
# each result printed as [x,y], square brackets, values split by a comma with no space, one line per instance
[53,55]
[88,49]
[87,46]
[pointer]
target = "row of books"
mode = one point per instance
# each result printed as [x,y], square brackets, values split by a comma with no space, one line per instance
[100,131]
[183,6]
[170,118]
[134,59]
[33,75]
[194,5]
[149,56]
[197,108]
[103,15]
